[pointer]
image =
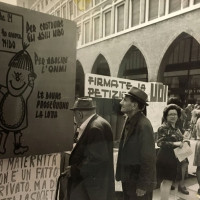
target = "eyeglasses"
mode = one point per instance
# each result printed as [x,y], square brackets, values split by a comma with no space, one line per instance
[172,114]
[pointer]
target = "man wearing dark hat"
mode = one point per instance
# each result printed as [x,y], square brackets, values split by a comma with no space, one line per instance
[136,165]
[90,170]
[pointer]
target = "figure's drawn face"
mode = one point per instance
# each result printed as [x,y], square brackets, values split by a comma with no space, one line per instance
[17,80]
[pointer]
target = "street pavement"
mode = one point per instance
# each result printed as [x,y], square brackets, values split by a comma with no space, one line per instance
[190,183]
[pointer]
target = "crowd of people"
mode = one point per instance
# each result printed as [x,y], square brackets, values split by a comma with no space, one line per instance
[140,168]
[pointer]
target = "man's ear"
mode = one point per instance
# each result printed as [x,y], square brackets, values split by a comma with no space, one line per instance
[135,104]
[80,113]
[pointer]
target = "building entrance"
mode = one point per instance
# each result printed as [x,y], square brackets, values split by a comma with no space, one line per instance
[182,69]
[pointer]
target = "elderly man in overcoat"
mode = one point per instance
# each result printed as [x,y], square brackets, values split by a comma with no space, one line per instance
[136,165]
[90,170]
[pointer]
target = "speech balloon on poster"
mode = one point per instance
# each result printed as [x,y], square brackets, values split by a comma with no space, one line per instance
[11,31]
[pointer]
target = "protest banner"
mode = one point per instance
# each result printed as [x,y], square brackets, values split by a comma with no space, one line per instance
[98,86]
[31,177]
[37,81]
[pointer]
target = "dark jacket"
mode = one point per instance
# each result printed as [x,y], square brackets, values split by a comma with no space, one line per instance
[92,162]
[136,157]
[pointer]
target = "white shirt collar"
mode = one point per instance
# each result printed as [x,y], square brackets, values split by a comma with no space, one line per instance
[83,126]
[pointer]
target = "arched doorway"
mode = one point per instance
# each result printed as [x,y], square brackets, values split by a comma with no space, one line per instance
[105,107]
[79,88]
[181,65]
[101,66]
[133,66]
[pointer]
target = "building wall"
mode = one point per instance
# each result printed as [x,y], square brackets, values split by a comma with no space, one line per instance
[25,4]
[153,41]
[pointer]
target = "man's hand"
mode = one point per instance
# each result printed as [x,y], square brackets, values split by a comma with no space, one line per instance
[67,171]
[140,192]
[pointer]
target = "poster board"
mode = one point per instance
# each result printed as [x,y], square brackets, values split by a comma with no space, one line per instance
[30,177]
[98,86]
[37,82]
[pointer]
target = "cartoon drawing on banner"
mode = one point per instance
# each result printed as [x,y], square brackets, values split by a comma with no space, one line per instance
[13,104]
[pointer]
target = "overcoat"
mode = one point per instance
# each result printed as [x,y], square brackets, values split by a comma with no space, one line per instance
[91,161]
[136,157]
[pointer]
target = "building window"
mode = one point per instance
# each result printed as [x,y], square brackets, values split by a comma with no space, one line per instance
[38,7]
[135,8]
[88,4]
[96,27]
[71,11]
[42,4]
[174,5]
[46,1]
[185,3]
[107,23]
[96,2]
[153,9]
[78,35]
[64,12]
[196,1]
[87,32]
[120,18]
[58,13]
[80,5]
[78,10]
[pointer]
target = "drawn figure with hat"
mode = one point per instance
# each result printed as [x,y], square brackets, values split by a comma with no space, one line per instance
[13,105]
[136,164]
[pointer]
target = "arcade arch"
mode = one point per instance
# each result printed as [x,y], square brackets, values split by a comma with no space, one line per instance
[133,65]
[101,66]
[79,87]
[180,68]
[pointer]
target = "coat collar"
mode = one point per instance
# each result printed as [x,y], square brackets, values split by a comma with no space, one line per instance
[134,119]
[85,130]
[133,122]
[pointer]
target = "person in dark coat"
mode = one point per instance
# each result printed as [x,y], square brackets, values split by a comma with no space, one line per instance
[91,171]
[136,164]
